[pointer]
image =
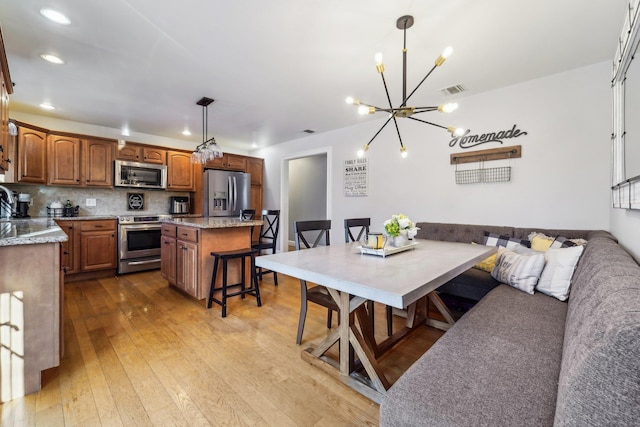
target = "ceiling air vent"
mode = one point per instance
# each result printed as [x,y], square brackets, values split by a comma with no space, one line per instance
[453,90]
[308,131]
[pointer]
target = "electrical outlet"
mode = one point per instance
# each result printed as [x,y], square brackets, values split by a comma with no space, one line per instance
[90,202]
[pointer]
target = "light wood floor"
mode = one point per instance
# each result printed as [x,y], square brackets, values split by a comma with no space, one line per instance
[140,353]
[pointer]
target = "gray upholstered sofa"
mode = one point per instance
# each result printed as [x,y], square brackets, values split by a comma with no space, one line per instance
[517,359]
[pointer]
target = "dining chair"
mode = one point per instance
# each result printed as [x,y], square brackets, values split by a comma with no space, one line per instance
[247,214]
[268,239]
[317,232]
[353,223]
[350,228]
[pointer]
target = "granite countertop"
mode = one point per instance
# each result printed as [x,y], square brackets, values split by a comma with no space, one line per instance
[30,232]
[214,222]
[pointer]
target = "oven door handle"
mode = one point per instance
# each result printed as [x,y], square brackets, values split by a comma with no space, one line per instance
[147,261]
[141,227]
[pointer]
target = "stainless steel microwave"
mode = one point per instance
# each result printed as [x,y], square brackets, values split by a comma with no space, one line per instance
[140,175]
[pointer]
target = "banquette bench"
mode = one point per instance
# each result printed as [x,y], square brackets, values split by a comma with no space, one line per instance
[518,359]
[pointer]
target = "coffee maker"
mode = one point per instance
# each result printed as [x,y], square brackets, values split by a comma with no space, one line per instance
[179,205]
[22,206]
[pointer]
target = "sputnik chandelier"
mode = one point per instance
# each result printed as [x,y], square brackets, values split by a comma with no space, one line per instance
[209,149]
[404,110]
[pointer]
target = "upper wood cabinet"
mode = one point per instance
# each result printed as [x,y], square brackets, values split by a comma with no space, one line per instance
[255,167]
[154,155]
[129,152]
[97,163]
[180,171]
[6,88]
[140,153]
[232,162]
[81,162]
[32,155]
[64,160]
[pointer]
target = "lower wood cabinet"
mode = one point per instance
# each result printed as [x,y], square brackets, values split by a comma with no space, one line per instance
[187,267]
[168,259]
[180,258]
[90,250]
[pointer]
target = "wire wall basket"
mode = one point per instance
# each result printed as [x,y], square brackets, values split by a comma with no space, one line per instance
[485,175]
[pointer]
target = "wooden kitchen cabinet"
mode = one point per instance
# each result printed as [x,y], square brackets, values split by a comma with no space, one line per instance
[168,259]
[180,258]
[231,162]
[187,267]
[255,167]
[168,253]
[69,254]
[180,171]
[90,250]
[80,162]
[139,153]
[97,163]
[6,88]
[154,155]
[63,153]
[256,203]
[32,155]
[97,245]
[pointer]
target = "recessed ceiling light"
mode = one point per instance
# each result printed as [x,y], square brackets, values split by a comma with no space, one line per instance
[47,106]
[51,58]
[254,145]
[125,131]
[55,16]
[186,132]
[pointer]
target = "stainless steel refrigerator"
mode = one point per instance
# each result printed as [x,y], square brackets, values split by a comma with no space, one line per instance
[226,193]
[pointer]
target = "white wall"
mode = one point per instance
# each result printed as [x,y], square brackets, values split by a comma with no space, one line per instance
[561,181]
[625,225]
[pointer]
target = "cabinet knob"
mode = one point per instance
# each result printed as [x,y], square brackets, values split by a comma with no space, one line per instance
[66,252]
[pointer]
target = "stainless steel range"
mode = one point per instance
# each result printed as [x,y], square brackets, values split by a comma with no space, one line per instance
[139,242]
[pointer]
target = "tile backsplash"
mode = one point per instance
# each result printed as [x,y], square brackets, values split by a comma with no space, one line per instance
[109,201]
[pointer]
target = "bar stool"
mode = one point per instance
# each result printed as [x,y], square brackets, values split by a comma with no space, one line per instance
[253,289]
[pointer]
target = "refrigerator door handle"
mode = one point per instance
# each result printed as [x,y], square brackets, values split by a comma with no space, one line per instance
[229,194]
[235,194]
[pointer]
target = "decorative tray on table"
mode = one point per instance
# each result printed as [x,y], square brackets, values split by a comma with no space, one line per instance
[387,250]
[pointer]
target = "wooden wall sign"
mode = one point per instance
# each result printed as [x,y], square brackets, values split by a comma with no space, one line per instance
[512,152]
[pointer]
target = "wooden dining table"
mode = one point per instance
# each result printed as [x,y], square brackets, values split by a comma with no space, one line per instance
[404,280]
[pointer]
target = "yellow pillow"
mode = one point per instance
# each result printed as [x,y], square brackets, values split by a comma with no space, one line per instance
[541,243]
[486,264]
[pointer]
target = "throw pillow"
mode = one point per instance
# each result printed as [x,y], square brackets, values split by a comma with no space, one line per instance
[520,271]
[486,264]
[563,242]
[493,239]
[540,242]
[556,276]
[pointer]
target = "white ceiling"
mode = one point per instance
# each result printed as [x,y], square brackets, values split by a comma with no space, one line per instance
[277,67]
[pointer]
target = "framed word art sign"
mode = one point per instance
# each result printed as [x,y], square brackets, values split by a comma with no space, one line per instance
[356,177]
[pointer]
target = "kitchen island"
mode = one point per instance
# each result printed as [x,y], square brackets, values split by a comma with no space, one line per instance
[31,300]
[187,244]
